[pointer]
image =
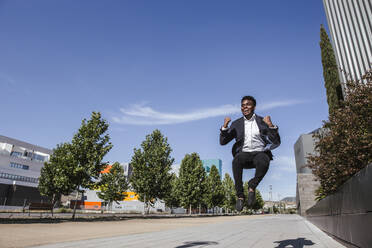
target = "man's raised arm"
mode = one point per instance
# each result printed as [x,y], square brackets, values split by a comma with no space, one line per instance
[273,134]
[226,134]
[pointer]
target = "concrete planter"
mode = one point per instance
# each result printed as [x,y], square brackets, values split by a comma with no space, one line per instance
[347,214]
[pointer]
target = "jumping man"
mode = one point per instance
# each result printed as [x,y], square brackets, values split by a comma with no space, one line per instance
[255,137]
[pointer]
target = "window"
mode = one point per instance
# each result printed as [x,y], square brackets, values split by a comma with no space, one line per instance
[16,154]
[27,154]
[38,157]
[19,166]
[18,177]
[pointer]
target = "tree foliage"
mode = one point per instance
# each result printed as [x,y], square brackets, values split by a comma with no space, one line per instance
[215,191]
[330,72]
[259,202]
[345,145]
[89,145]
[192,181]
[113,185]
[151,176]
[76,165]
[230,193]
[55,175]
[173,199]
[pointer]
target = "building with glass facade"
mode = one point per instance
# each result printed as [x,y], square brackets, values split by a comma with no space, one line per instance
[20,165]
[208,163]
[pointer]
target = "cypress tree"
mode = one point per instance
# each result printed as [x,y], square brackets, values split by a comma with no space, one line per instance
[330,72]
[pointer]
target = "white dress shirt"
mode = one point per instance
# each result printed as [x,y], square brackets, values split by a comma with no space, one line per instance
[252,138]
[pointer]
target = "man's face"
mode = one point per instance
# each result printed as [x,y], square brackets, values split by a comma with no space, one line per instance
[247,107]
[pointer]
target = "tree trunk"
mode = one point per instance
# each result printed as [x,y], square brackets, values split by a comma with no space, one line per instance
[144,205]
[73,213]
[54,196]
[190,210]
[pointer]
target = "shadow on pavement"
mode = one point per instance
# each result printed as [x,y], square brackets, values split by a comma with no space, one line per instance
[295,243]
[196,243]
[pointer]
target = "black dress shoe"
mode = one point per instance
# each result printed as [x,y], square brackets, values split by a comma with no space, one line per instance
[251,198]
[239,204]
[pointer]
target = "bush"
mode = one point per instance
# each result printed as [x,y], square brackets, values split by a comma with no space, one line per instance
[63,210]
[344,147]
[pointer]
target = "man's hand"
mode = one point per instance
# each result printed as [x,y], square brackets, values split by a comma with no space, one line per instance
[267,120]
[226,122]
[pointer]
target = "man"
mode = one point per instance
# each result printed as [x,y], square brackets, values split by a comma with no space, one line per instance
[254,138]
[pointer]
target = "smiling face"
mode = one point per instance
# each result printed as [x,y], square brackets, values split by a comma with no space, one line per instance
[248,108]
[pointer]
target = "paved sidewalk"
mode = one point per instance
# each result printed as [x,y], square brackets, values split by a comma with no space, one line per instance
[266,231]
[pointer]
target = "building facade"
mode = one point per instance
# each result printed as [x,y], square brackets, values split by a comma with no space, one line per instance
[20,165]
[208,163]
[129,204]
[350,25]
[306,184]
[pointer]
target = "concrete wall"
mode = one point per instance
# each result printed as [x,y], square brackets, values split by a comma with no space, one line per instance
[306,184]
[18,195]
[347,214]
[303,147]
[305,195]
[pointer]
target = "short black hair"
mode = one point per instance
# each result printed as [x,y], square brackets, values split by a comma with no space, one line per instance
[250,98]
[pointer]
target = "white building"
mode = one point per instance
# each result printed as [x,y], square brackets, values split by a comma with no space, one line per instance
[350,25]
[20,165]
[129,204]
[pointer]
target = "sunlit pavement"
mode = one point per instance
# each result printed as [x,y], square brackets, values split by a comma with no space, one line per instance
[264,231]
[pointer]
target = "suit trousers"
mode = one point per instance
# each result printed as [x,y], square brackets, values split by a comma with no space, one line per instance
[249,160]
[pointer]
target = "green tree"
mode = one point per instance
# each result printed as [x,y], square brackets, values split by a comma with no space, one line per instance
[344,144]
[275,209]
[173,199]
[215,193]
[192,181]
[230,193]
[55,175]
[88,147]
[330,72]
[259,202]
[151,176]
[113,185]
[77,165]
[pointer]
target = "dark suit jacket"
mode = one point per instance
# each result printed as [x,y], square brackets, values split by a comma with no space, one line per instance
[236,130]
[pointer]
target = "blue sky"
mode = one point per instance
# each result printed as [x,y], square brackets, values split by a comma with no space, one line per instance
[177,66]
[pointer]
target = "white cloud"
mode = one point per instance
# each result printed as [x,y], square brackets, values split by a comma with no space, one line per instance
[7,80]
[276,176]
[277,104]
[141,114]
[285,163]
[176,169]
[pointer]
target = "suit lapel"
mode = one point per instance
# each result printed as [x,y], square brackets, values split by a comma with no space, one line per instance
[241,125]
[260,124]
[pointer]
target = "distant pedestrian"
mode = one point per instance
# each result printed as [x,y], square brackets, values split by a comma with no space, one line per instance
[255,137]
